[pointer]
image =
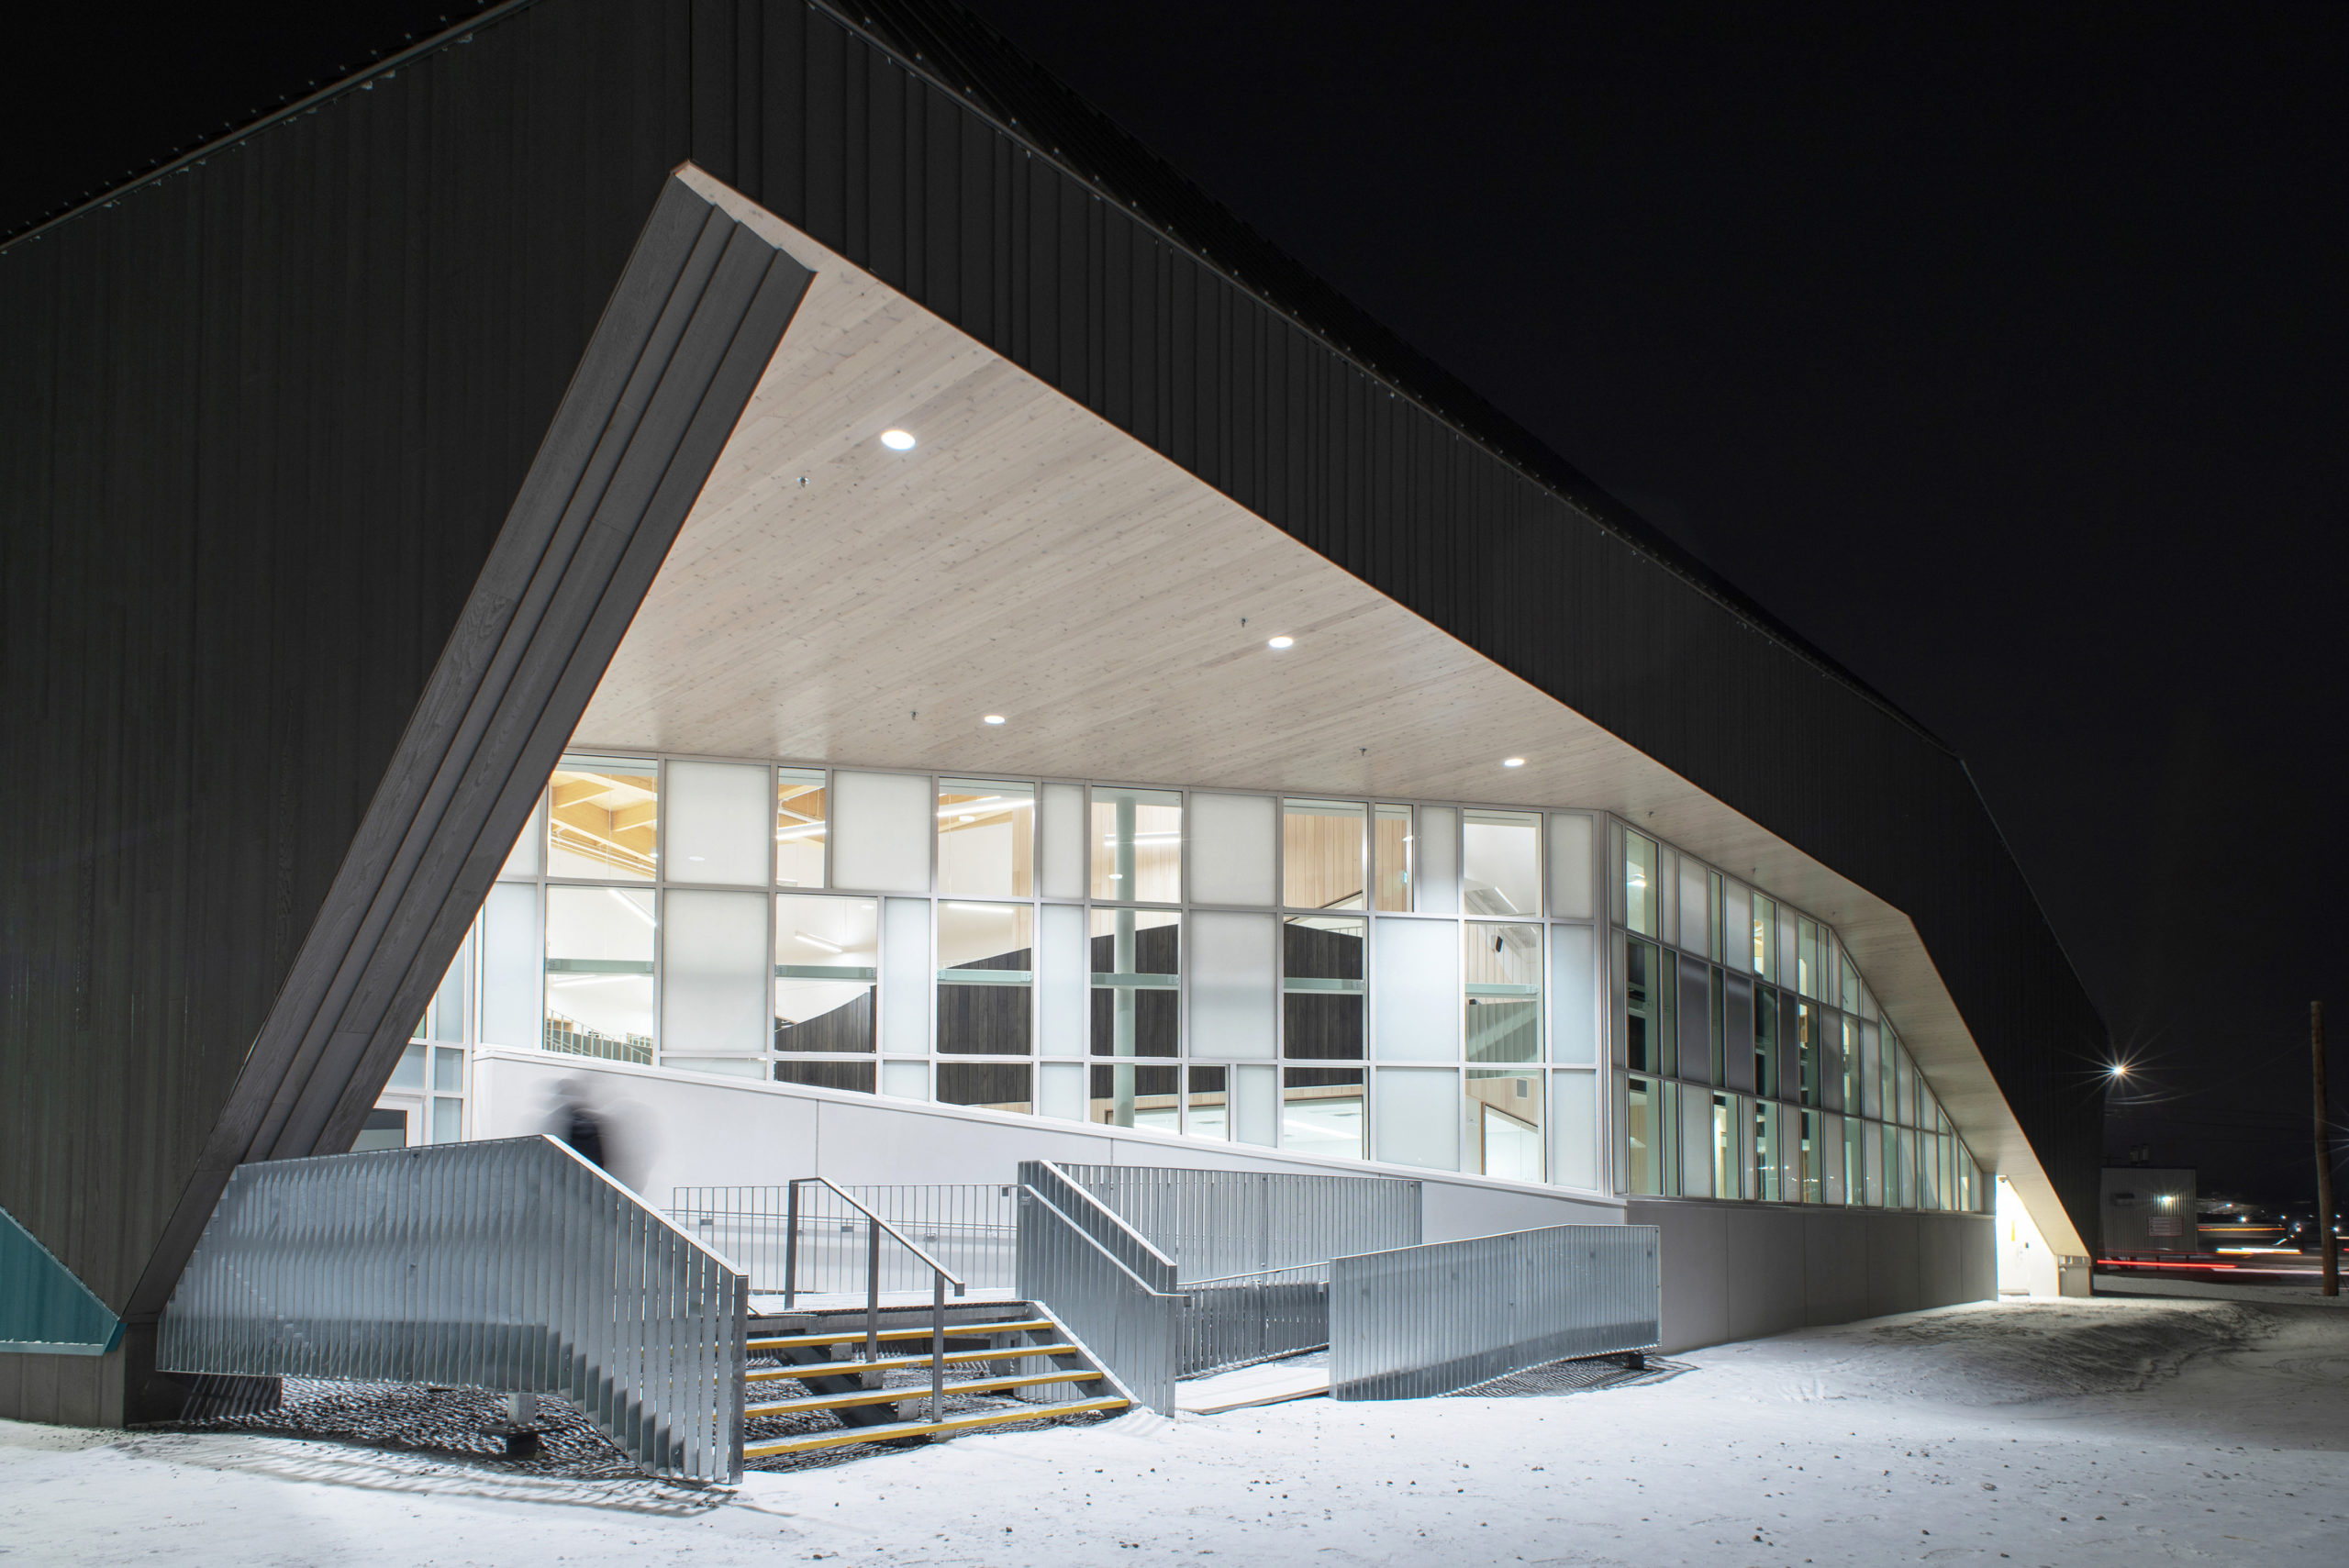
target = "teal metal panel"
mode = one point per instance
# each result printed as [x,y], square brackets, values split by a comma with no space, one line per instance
[42,1306]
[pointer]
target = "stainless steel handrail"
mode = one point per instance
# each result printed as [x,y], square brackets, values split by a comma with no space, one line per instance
[1130,1335]
[940,1278]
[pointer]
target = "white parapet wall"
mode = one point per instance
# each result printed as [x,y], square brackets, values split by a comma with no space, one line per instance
[666,1129]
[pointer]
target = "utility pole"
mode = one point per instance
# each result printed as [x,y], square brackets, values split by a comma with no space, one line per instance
[2324,1155]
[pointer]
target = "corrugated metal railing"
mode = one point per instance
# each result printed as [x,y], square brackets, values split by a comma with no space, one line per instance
[971,1229]
[512,1265]
[1420,1321]
[1107,1286]
[1217,1224]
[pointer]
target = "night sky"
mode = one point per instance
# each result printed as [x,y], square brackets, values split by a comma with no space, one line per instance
[2004,354]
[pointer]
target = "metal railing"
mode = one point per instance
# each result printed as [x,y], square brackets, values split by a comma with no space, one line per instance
[1253,1318]
[1109,1287]
[1219,1224]
[513,1266]
[970,1228]
[873,1229]
[1420,1321]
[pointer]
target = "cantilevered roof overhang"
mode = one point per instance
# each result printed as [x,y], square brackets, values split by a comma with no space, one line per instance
[829,598]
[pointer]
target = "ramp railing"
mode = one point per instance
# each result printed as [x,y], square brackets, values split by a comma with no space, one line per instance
[1419,1321]
[1221,1224]
[1102,1282]
[513,1266]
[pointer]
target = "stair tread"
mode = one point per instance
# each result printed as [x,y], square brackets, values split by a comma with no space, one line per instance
[912,1391]
[835,1439]
[1023,1325]
[883,1363]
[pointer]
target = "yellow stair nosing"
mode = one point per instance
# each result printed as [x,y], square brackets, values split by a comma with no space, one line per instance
[953,1330]
[846,1435]
[884,1364]
[911,1392]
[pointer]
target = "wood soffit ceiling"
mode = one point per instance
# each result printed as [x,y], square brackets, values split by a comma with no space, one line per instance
[831,600]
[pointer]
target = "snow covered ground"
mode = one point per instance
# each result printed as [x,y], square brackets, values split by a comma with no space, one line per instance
[2072,1433]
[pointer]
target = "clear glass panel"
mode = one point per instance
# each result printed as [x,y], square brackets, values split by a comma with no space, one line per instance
[1500,863]
[1872,1149]
[1233,989]
[600,944]
[718,813]
[604,818]
[409,1073]
[799,827]
[1643,1136]
[985,838]
[1808,1026]
[1649,993]
[1573,1019]
[1504,1127]
[1574,1112]
[1207,1102]
[855,1076]
[714,982]
[1848,981]
[827,966]
[1256,1104]
[1321,1111]
[1322,985]
[447,1013]
[991,1085]
[1065,853]
[1415,1002]
[1324,853]
[1695,1140]
[1231,849]
[1390,851]
[1728,1177]
[1806,976]
[1764,1178]
[1765,938]
[1854,1159]
[449,1068]
[1501,976]
[1570,852]
[522,860]
[881,832]
[904,980]
[447,1119]
[1435,857]
[1765,1042]
[1138,845]
[1737,922]
[510,966]
[1416,1118]
[1063,991]
[386,1128]
[1854,1072]
[1137,955]
[1641,888]
[985,978]
[1130,1095]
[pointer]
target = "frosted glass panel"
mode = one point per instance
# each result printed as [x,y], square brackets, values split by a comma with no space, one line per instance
[985,838]
[511,968]
[1416,1113]
[1064,830]
[1231,849]
[1737,920]
[1436,862]
[880,832]
[1415,991]
[714,977]
[1500,868]
[718,823]
[1060,1090]
[1570,877]
[1574,1017]
[1696,902]
[905,976]
[907,1080]
[1232,987]
[523,860]
[1255,1104]
[1064,985]
[1574,1111]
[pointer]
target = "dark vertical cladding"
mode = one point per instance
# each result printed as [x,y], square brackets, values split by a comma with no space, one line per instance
[263,417]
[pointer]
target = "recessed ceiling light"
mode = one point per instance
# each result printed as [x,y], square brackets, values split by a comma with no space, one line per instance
[1512,762]
[992,719]
[898,440]
[1282,642]
[967,816]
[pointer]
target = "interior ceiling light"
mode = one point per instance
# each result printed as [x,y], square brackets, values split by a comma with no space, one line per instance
[992,719]
[1282,642]
[898,440]
[819,942]
[1512,762]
